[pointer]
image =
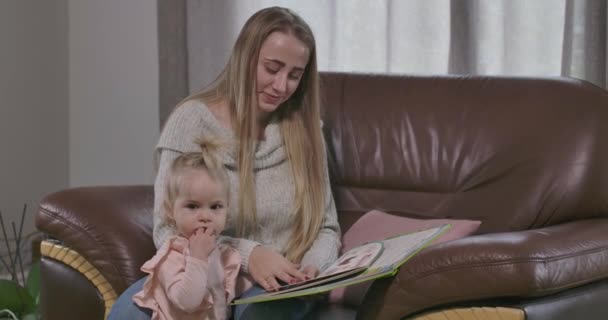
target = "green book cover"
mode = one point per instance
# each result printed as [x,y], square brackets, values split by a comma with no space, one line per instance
[369,261]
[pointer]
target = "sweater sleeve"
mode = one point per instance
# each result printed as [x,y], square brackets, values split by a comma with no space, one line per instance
[162,228]
[324,250]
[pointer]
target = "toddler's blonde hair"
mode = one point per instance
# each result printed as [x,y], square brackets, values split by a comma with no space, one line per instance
[205,159]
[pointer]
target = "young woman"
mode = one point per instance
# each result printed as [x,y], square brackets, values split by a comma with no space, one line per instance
[265,103]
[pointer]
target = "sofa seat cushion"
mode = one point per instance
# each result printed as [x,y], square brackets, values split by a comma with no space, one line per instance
[528,263]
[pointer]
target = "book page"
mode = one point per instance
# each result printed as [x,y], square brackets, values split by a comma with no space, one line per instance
[354,261]
[398,248]
[361,256]
[397,251]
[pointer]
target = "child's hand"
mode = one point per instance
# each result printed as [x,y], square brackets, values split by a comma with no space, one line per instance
[202,242]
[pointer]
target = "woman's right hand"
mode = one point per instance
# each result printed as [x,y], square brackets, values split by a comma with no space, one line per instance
[267,267]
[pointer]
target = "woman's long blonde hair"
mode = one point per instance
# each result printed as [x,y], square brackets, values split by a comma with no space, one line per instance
[299,119]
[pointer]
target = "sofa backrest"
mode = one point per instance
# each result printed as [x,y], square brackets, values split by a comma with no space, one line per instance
[515,153]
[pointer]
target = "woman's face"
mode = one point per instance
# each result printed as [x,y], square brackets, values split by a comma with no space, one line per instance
[280,67]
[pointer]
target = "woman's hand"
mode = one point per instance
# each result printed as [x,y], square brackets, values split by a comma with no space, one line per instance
[267,267]
[310,271]
[202,242]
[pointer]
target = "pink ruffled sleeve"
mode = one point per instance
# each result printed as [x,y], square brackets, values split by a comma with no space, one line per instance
[186,289]
[231,261]
[182,277]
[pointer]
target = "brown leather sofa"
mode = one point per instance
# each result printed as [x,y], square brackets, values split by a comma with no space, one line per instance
[527,156]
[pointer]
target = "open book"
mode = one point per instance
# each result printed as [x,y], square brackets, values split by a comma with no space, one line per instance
[367,262]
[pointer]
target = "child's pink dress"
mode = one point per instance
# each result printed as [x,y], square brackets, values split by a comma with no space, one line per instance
[183,287]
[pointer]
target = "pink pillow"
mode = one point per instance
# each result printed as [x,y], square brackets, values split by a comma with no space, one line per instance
[378,225]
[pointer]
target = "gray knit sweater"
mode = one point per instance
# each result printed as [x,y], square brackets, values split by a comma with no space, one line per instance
[273,183]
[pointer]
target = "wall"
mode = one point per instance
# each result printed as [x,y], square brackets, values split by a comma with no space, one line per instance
[113,85]
[78,97]
[33,105]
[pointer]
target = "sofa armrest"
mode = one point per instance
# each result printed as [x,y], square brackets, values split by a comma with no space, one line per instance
[110,226]
[528,263]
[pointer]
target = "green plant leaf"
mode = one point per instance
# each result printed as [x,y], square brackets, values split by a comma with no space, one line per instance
[15,297]
[6,314]
[33,282]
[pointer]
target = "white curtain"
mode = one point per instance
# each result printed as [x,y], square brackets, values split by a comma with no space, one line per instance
[490,37]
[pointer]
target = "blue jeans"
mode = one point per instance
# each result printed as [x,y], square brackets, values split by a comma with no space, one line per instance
[295,309]
[124,308]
